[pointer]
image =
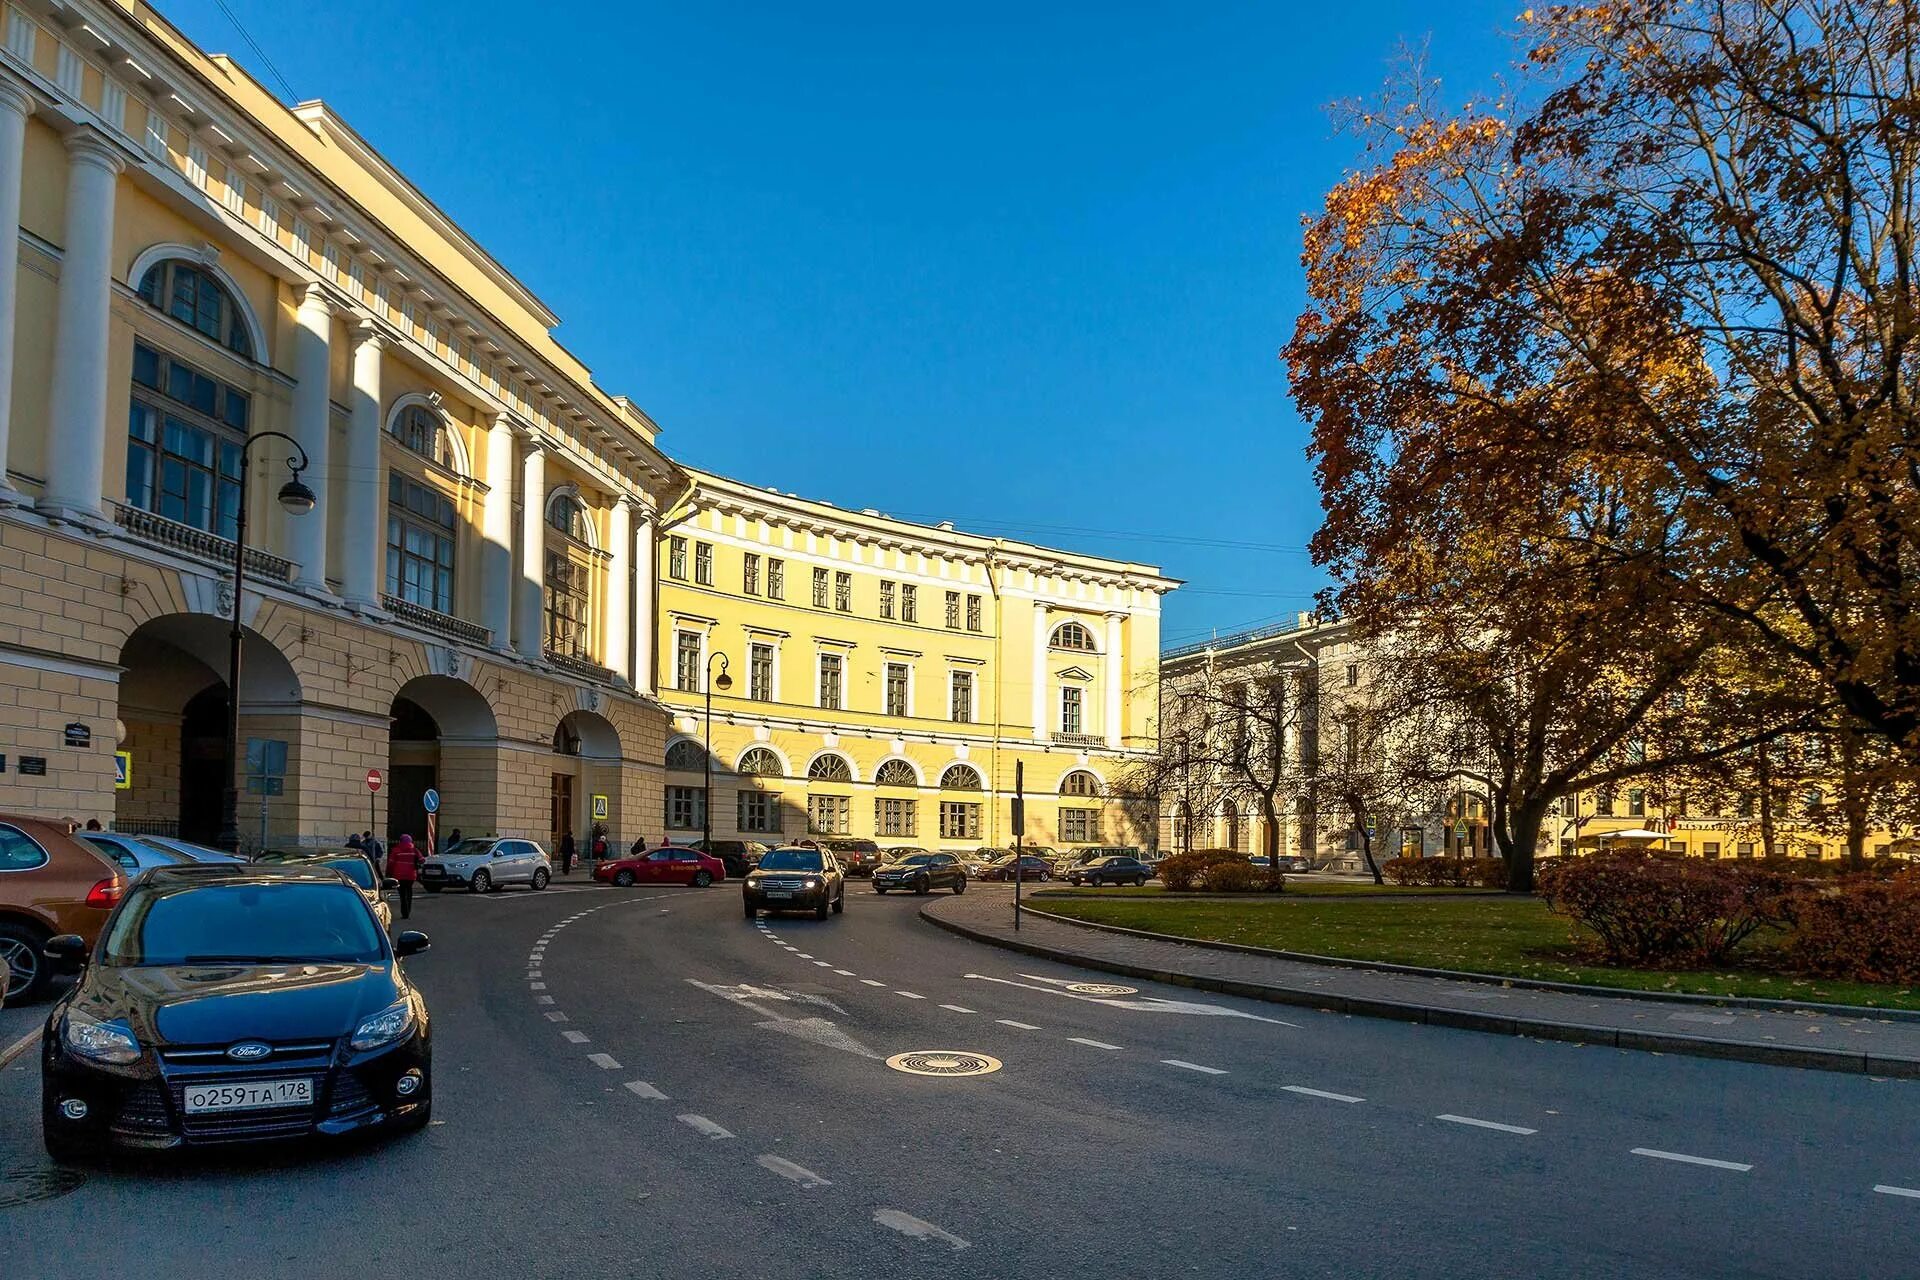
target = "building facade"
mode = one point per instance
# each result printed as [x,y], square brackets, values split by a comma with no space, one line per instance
[207,285]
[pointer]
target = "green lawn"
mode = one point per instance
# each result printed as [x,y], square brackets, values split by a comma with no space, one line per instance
[1514,937]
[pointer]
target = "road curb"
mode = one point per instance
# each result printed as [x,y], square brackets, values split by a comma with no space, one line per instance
[1459,1019]
[18,1047]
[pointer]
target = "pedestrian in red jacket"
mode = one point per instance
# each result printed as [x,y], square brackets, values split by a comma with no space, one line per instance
[403,864]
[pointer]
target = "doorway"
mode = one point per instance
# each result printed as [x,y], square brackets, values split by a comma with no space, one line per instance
[562,809]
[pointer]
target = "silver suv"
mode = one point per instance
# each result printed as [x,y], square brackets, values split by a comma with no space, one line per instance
[486,865]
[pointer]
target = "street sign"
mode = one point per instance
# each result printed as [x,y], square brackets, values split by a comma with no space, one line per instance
[123,771]
[601,808]
[1019,799]
[430,801]
[373,779]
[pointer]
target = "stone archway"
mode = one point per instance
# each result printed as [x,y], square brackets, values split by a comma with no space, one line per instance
[585,782]
[442,734]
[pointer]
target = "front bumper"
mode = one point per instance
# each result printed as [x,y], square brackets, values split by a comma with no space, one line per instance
[441,877]
[804,900]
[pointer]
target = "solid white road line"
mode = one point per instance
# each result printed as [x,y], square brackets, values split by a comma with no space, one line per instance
[575,1037]
[791,1171]
[1486,1124]
[920,1229]
[604,1061]
[1321,1093]
[1888,1190]
[870,982]
[641,1089]
[910,995]
[1682,1158]
[1091,1044]
[1192,1066]
[957,1008]
[1018,1026]
[700,1124]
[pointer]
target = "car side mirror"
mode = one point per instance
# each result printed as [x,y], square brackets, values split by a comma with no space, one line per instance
[68,951]
[389,883]
[411,942]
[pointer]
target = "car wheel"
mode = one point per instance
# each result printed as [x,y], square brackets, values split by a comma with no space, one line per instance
[820,912]
[624,879]
[1045,876]
[702,878]
[432,888]
[27,972]
[879,890]
[960,885]
[1139,882]
[540,878]
[840,903]
[482,882]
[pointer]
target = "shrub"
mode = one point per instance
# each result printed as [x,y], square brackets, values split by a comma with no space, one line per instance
[1860,930]
[1238,876]
[1179,871]
[1664,911]
[1440,873]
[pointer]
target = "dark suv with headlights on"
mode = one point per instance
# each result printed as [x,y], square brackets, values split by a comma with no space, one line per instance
[233,1004]
[796,879]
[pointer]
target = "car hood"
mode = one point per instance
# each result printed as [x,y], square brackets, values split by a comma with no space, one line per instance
[457,864]
[220,1003]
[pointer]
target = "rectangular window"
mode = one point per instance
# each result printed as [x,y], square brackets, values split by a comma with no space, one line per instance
[420,529]
[909,602]
[760,672]
[1636,803]
[759,812]
[703,563]
[1745,848]
[776,579]
[1603,802]
[686,808]
[566,606]
[896,688]
[959,820]
[831,671]
[843,592]
[1711,848]
[973,613]
[829,815]
[894,817]
[886,598]
[183,443]
[962,697]
[677,558]
[819,588]
[953,610]
[1070,712]
[686,661]
[1080,826]
[750,574]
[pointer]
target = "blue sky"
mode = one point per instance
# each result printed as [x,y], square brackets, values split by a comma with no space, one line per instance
[1022,266]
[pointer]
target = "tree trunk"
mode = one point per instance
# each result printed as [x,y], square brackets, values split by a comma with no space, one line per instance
[1519,839]
[1366,851]
[1271,841]
[1853,794]
[1766,805]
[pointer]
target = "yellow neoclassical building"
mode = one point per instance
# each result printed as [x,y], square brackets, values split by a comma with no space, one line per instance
[206,285]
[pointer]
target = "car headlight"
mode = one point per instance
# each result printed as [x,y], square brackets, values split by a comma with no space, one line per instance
[812,883]
[101,1041]
[384,1027]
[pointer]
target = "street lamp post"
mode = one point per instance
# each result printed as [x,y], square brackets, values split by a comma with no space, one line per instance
[724,682]
[298,500]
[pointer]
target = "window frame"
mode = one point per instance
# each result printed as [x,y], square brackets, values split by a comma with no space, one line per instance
[821,586]
[1085,821]
[566,598]
[837,812]
[895,816]
[974,614]
[909,603]
[903,706]
[156,404]
[691,800]
[402,519]
[750,573]
[958,679]
[842,591]
[681,676]
[676,557]
[836,664]
[959,819]
[761,676]
[953,610]
[886,599]
[703,564]
[164,276]
[776,578]
[767,820]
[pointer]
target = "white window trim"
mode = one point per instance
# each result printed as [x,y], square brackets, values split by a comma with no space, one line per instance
[973,693]
[896,660]
[700,635]
[819,673]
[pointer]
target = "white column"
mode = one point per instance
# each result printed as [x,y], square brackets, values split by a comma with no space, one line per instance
[529,632]
[16,104]
[1040,637]
[1116,672]
[362,519]
[312,414]
[77,413]
[646,562]
[619,572]
[496,529]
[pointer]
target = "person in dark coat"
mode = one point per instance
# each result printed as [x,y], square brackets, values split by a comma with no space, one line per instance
[567,853]
[403,864]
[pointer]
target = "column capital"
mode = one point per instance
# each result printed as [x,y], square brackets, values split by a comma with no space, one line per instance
[88,145]
[313,295]
[641,512]
[365,331]
[15,95]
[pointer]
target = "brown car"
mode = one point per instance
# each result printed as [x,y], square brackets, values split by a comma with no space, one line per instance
[49,883]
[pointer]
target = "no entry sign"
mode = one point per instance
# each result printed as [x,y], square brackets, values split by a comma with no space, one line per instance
[373,779]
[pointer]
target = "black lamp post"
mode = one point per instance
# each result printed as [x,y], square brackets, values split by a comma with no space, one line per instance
[298,500]
[724,682]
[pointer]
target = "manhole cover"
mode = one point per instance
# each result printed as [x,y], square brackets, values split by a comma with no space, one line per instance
[25,1186]
[1101,989]
[944,1062]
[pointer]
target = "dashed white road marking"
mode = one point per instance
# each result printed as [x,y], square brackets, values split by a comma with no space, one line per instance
[534,973]
[543,999]
[536,986]
[910,995]
[604,1061]
[824,964]
[870,982]
[641,1089]
[919,1228]
[845,973]
[557,1016]
[804,955]
[958,1008]
[575,1037]
[1887,1189]
[791,1172]
[1486,1124]
[1682,1158]
[1321,1093]
[700,1124]
[1019,1026]
[1192,1066]
[1091,1044]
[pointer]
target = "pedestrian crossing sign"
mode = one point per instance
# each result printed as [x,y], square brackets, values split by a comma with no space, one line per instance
[123,771]
[600,807]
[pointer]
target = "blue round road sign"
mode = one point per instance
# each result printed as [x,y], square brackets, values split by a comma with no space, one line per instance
[431,800]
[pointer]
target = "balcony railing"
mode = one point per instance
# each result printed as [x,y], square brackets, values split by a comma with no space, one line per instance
[1080,739]
[579,666]
[434,620]
[198,543]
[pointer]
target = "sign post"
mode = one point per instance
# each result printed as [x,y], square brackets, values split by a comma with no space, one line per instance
[373,789]
[431,803]
[1019,830]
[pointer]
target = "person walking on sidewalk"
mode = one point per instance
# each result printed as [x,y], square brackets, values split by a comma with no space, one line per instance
[568,852]
[403,864]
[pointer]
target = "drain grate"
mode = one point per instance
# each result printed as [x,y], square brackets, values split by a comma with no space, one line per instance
[29,1186]
[944,1062]
[1101,989]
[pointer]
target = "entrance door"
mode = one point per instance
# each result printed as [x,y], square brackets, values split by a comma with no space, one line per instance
[203,764]
[562,807]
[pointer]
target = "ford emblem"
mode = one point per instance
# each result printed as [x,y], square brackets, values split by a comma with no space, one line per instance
[249,1051]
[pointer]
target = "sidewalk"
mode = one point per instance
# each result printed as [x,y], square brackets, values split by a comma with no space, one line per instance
[1800,1038]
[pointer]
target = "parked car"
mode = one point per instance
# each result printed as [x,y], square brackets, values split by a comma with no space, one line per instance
[669,865]
[50,884]
[358,870]
[135,854]
[856,857]
[193,852]
[1290,863]
[737,857]
[1092,854]
[1111,870]
[796,879]
[231,1004]
[1032,867]
[921,872]
[485,865]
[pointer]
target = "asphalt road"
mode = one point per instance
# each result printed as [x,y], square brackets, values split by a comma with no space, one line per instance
[641,1083]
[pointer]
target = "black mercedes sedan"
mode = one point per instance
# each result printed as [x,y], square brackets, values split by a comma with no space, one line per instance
[233,1004]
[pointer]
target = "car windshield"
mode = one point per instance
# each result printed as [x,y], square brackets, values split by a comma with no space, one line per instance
[243,923]
[791,860]
[917,859]
[356,869]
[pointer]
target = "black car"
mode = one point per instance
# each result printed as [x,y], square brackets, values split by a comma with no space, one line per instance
[796,879]
[1030,866]
[738,856]
[233,1004]
[858,857]
[1111,870]
[359,870]
[922,872]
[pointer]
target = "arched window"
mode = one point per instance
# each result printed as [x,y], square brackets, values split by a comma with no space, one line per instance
[420,430]
[685,756]
[830,768]
[896,773]
[1230,817]
[960,777]
[1071,635]
[760,761]
[196,299]
[1079,783]
[566,514]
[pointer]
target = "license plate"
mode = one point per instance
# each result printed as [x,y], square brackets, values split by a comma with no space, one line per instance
[249,1096]
[779,893]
